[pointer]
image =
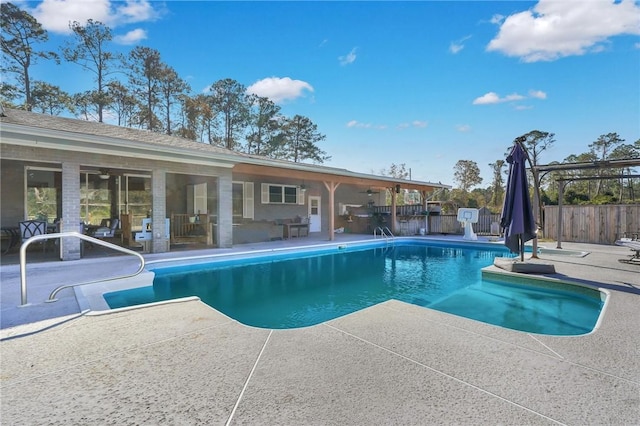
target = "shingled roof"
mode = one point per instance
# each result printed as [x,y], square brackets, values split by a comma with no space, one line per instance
[124,136]
[84,127]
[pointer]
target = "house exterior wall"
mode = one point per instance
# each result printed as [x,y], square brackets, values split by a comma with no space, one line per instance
[15,158]
[12,210]
[272,212]
[345,194]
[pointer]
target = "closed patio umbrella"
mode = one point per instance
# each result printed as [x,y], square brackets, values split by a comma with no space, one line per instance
[517,215]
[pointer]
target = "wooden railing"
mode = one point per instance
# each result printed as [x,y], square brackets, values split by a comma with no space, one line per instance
[191,229]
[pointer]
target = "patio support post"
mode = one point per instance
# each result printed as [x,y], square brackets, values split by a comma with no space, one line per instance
[70,247]
[559,225]
[159,210]
[331,187]
[393,212]
[424,209]
[224,230]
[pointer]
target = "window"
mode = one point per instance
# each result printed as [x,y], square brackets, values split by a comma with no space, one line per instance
[102,198]
[95,198]
[135,197]
[281,194]
[44,193]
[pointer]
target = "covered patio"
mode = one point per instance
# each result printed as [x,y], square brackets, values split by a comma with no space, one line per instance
[166,193]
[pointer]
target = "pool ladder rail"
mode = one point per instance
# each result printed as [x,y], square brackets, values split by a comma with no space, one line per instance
[384,232]
[52,296]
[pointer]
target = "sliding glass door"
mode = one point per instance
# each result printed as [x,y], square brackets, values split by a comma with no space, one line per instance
[43,193]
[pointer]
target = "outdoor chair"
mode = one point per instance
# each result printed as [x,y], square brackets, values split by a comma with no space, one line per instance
[31,228]
[634,245]
[107,232]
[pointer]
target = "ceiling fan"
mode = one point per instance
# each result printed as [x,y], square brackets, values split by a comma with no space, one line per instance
[104,174]
[369,192]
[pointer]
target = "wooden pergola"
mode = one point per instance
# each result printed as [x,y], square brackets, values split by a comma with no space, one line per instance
[598,165]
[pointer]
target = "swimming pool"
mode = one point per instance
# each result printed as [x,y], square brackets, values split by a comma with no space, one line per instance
[291,290]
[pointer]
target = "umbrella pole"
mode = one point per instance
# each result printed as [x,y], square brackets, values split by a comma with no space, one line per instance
[521,238]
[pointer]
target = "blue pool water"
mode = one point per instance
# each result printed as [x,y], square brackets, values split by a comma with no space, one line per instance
[284,292]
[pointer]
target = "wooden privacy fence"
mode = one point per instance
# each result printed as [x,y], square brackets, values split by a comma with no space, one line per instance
[602,224]
[448,224]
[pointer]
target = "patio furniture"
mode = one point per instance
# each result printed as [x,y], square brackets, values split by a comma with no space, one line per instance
[31,228]
[125,227]
[107,232]
[634,245]
[145,237]
[10,236]
[294,228]
[187,228]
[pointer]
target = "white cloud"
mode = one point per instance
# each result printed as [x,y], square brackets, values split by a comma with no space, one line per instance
[280,89]
[637,45]
[512,97]
[554,29]
[349,58]
[56,15]
[493,98]
[355,124]
[464,128]
[457,46]
[136,11]
[497,19]
[132,37]
[538,94]
[414,123]
[487,98]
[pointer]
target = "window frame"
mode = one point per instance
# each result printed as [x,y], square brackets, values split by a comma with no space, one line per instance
[267,192]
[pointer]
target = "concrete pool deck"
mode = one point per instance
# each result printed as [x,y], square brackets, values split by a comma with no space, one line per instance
[393,363]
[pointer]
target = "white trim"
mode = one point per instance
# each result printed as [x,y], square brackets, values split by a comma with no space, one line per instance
[315,225]
[265,199]
[67,141]
[248,202]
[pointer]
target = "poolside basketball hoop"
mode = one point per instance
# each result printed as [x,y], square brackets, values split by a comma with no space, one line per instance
[467,217]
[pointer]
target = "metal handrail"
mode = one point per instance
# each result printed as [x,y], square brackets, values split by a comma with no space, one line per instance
[23,262]
[384,232]
[388,232]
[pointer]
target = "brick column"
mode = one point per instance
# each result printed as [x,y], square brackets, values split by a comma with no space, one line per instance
[70,247]
[159,213]
[224,230]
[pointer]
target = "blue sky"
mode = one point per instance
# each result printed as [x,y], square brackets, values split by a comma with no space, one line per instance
[421,83]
